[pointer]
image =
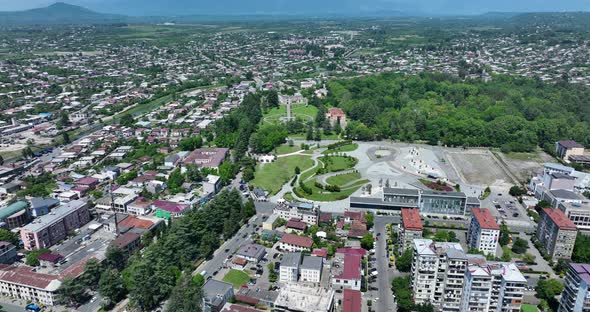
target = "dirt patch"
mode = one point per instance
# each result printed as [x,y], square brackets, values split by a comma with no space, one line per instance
[478,168]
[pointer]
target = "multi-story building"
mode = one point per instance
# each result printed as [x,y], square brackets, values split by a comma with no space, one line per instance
[289,269]
[8,252]
[411,229]
[21,282]
[292,243]
[49,229]
[302,211]
[578,213]
[557,233]
[437,274]
[575,296]
[215,295]
[492,287]
[311,269]
[566,148]
[483,231]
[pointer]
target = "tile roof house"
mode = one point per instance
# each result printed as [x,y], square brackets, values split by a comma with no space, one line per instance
[291,242]
[167,209]
[23,283]
[207,157]
[351,274]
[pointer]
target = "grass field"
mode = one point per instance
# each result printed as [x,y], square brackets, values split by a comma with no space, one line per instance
[236,278]
[286,149]
[307,113]
[342,179]
[338,163]
[271,177]
[344,148]
[528,308]
[321,195]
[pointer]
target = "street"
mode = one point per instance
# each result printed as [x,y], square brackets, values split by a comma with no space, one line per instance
[385,301]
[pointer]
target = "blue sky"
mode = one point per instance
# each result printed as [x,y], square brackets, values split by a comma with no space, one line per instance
[167,7]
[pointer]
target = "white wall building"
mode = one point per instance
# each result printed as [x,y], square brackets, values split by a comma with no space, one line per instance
[289,270]
[483,231]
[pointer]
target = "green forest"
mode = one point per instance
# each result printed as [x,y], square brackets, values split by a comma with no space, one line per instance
[511,113]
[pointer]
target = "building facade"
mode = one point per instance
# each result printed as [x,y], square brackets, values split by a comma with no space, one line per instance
[557,233]
[311,269]
[411,229]
[483,231]
[575,296]
[289,269]
[24,284]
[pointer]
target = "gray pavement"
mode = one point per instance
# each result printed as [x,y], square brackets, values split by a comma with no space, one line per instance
[385,300]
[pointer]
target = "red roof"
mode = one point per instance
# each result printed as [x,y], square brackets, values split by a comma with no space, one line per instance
[325,217]
[352,267]
[135,222]
[239,308]
[297,240]
[296,224]
[87,181]
[320,253]
[336,112]
[352,251]
[170,206]
[50,257]
[126,239]
[411,219]
[485,219]
[355,215]
[23,275]
[352,301]
[560,219]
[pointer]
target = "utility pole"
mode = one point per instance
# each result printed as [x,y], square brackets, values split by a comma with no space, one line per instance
[114,210]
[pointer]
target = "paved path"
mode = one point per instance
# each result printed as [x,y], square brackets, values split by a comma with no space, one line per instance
[385,302]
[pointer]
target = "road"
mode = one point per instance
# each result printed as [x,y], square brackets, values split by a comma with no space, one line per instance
[385,302]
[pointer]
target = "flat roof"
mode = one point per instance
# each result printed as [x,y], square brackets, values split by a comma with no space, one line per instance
[400,191]
[352,301]
[312,263]
[411,219]
[560,219]
[583,271]
[301,298]
[55,215]
[292,259]
[485,218]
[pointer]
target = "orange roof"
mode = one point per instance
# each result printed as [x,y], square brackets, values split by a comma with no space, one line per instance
[560,219]
[135,222]
[485,219]
[411,219]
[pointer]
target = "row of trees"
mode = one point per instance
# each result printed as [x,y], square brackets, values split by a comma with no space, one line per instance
[515,114]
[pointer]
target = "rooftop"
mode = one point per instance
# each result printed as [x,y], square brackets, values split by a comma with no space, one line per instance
[583,271]
[126,239]
[24,275]
[560,219]
[411,219]
[12,209]
[296,240]
[301,298]
[55,215]
[292,259]
[570,144]
[352,301]
[213,288]
[251,251]
[485,219]
[312,263]
[352,268]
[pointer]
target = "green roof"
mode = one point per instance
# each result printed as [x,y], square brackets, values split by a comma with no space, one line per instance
[12,209]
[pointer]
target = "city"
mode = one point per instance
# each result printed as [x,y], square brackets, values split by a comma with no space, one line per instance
[288,163]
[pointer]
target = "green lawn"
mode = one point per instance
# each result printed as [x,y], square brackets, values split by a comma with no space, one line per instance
[301,136]
[528,308]
[271,177]
[307,113]
[236,278]
[342,179]
[338,163]
[343,148]
[324,196]
[286,149]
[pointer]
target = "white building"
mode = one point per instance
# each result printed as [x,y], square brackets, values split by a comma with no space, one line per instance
[289,270]
[437,274]
[22,283]
[483,231]
[311,269]
[305,212]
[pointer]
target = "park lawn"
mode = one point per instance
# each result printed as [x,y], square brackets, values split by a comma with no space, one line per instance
[308,112]
[286,149]
[326,196]
[342,179]
[343,148]
[528,308]
[236,278]
[339,163]
[271,177]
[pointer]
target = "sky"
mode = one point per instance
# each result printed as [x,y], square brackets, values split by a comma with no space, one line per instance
[183,7]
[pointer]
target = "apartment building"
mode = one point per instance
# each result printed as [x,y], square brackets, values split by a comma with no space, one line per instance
[411,228]
[22,283]
[557,233]
[483,231]
[289,269]
[311,269]
[49,229]
[492,286]
[302,211]
[575,296]
[437,274]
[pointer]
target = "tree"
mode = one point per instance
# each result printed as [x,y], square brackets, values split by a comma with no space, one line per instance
[452,236]
[504,238]
[528,258]
[111,286]
[548,289]
[114,258]
[248,174]
[441,236]
[186,296]
[66,137]
[91,275]
[516,191]
[191,144]
[404,262]
[581,253]
[126,120]
[273,98]
[8,236]
[506,254]
[175,181]
[71,292]
[520,246]
[297,170]
[370,219]
[367,241]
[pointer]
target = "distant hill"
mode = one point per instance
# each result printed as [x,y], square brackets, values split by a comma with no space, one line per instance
[58,13]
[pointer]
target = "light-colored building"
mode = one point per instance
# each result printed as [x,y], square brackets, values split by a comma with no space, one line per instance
[578,213]
[566,148]
[311,269]
[299,298]
[351,273]
[270,223]
[483,231]
[49,229]
[557,233]
[289,269]
[492,287]
[215,295]
[438,270]
[576,295]
[411,228]
[22,283]
[292,243]
[303,211]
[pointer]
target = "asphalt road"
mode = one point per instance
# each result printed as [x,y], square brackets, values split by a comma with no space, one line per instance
[9,307]
[385,302]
